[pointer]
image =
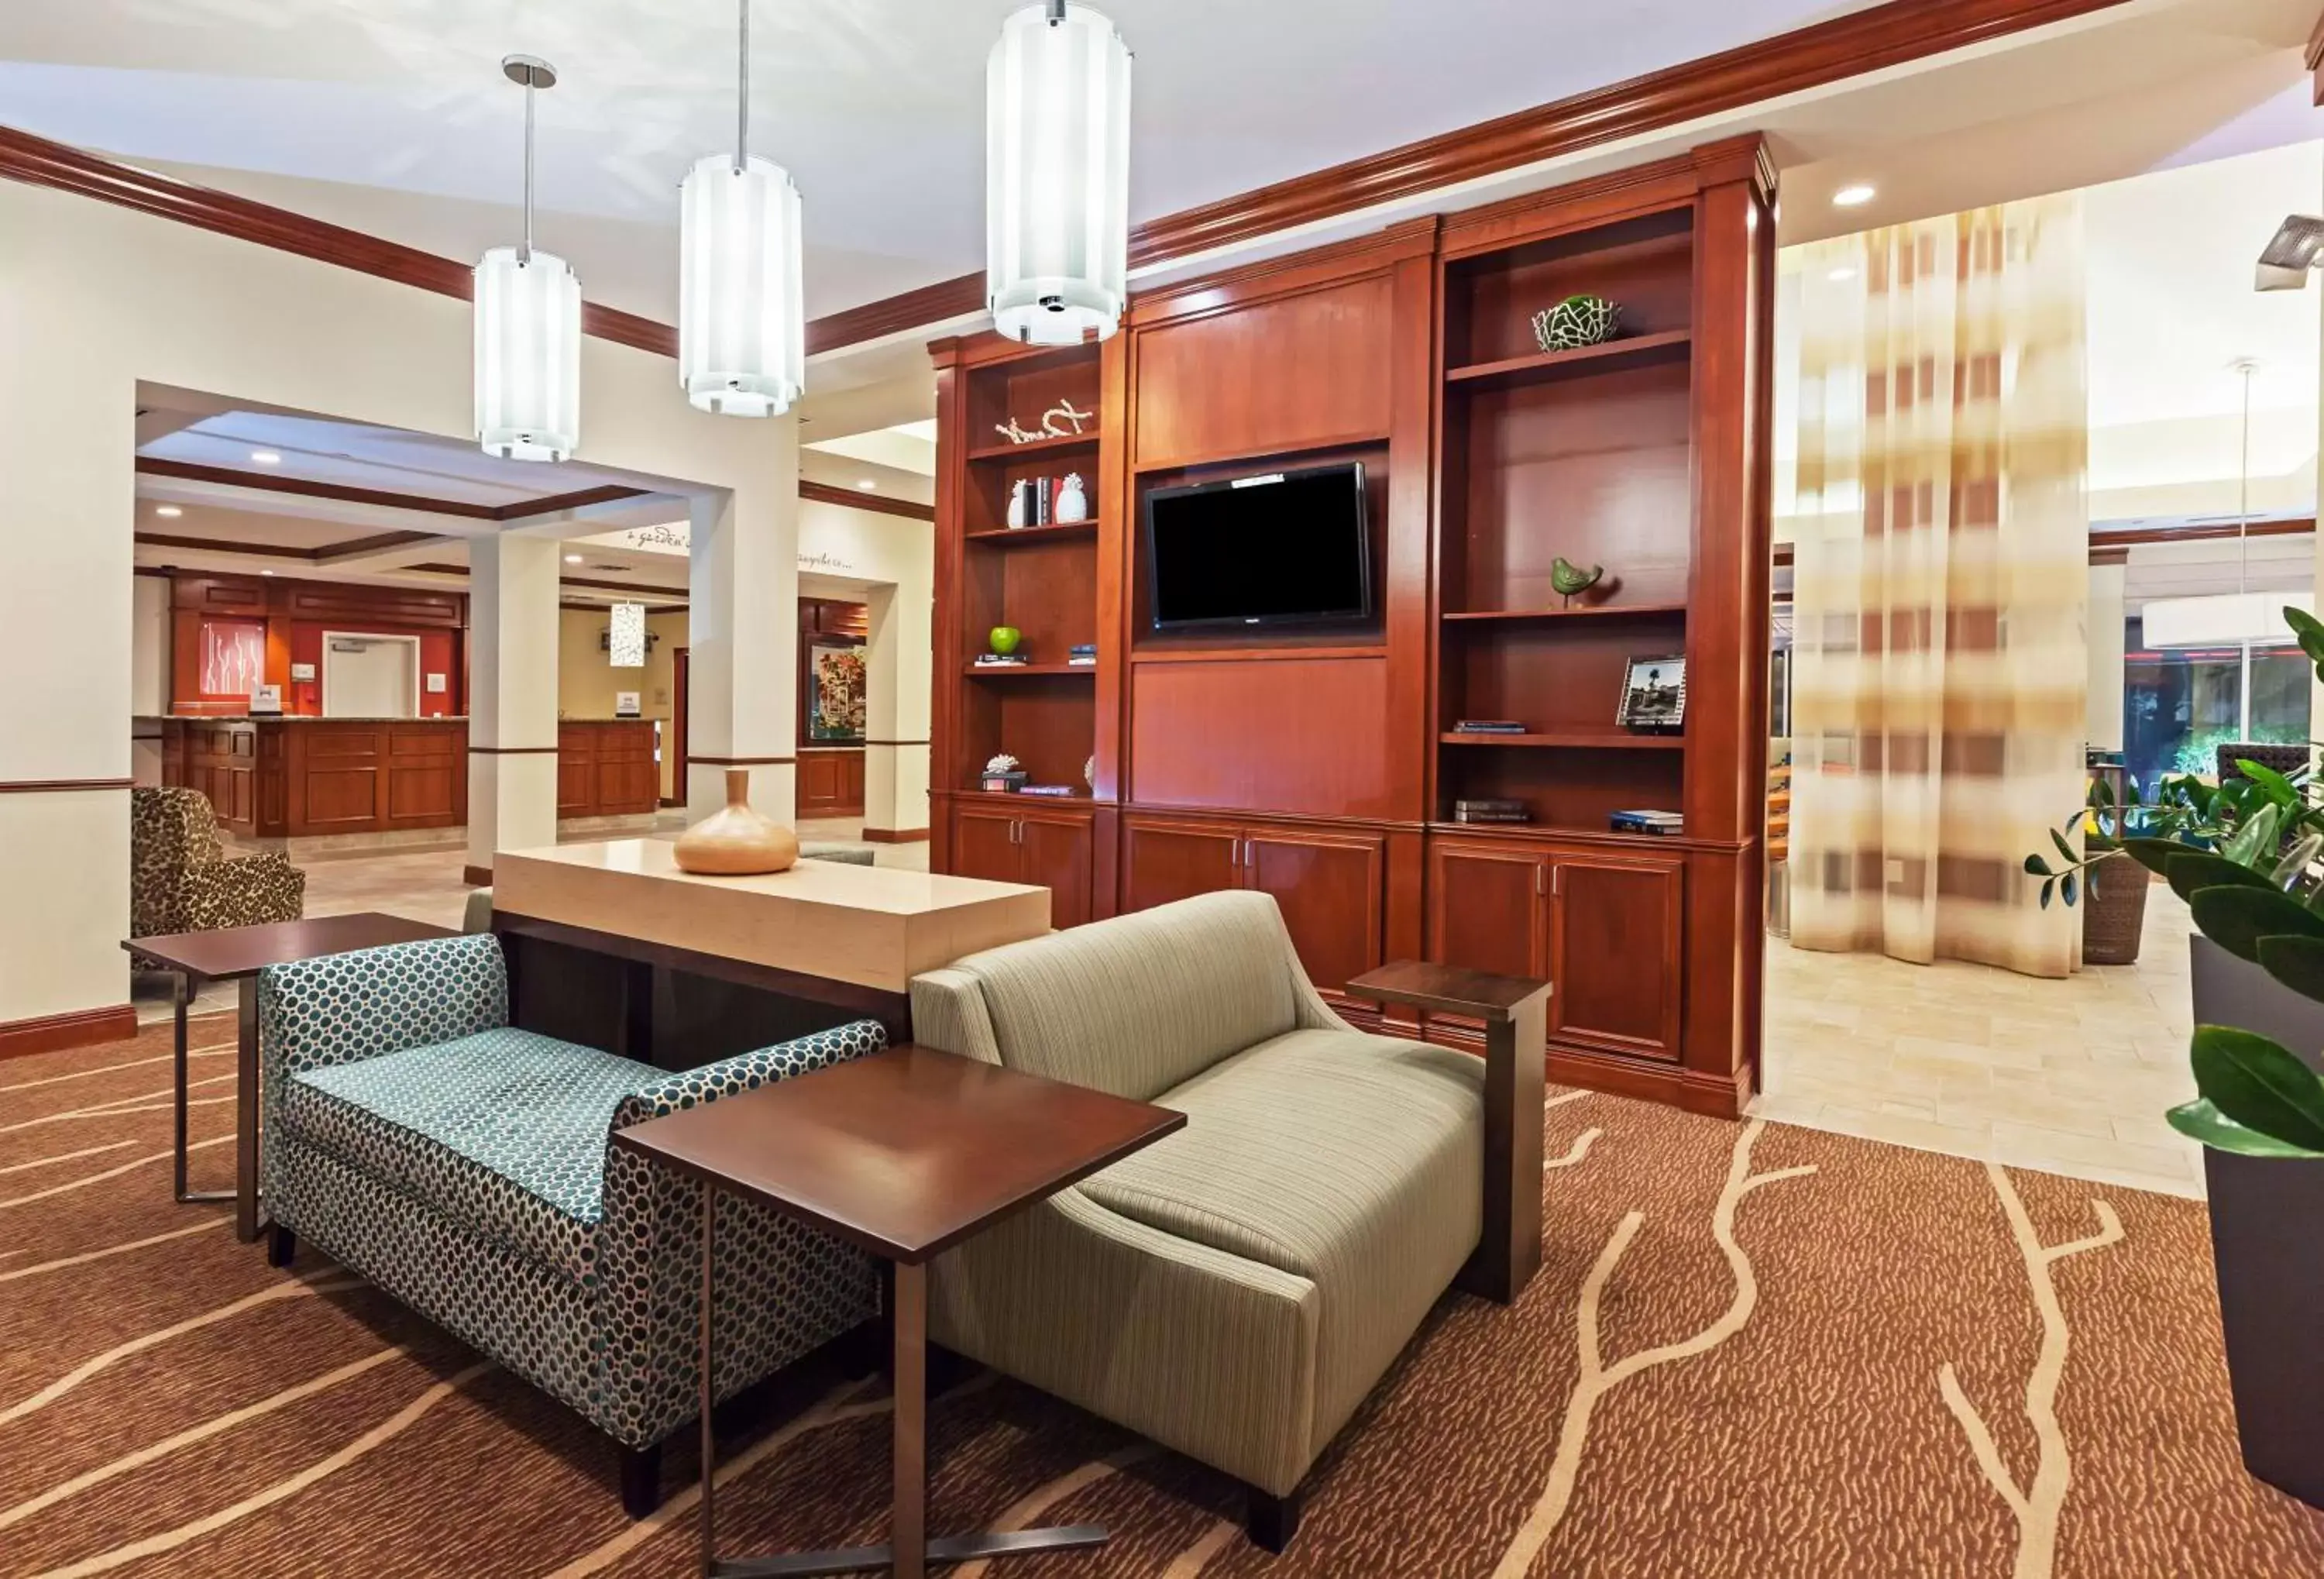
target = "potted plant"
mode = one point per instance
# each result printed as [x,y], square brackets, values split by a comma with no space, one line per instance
[2258,986]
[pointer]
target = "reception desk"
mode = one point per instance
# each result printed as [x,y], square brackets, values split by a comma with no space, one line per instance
[299,778]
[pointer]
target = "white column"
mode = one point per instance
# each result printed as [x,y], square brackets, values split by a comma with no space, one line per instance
[742,640]
[66,514]
[896,676]
[2105,634]
[511,695]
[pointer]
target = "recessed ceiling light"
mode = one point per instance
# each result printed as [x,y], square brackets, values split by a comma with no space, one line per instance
[171,511]
[572,559]
[867,485]
[1852,196]
[266,572]
[265,458]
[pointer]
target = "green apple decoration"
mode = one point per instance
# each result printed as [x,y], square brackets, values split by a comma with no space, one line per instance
[1005,639]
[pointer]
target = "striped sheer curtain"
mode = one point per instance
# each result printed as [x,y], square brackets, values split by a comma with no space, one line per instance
[1940,576]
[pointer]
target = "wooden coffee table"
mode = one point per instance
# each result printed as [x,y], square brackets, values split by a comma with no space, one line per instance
[237,954]
[1516,1012]
[904,1153]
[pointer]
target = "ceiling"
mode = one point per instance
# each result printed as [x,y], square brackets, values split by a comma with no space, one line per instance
[391,116]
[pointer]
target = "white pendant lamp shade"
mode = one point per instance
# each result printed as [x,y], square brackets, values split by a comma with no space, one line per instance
[528,356]
[742,336]
[1058,175]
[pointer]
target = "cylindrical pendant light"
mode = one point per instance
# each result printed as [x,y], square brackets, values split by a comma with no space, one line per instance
[528,312]
[742,320]
[1058,175]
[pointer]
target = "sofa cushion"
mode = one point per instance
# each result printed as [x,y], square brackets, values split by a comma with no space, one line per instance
[1355,1162]
[503,1131]
[1136,1004]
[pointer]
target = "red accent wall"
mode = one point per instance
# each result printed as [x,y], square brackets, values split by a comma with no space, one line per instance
[435,656]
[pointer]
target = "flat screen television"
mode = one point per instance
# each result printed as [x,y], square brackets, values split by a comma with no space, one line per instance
[1289,548]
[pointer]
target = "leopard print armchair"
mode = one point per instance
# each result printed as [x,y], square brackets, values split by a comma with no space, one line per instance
[182,880]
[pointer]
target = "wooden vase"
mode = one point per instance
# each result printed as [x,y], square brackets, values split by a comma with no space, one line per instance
[736,841]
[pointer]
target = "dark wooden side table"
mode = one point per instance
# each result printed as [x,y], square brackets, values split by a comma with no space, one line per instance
[904,1153]
[1516,1012]
[237,954]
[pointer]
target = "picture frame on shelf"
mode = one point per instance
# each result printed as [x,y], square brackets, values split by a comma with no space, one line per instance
[1654,694]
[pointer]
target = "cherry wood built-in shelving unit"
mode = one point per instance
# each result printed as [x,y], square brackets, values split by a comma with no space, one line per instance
[1322,765]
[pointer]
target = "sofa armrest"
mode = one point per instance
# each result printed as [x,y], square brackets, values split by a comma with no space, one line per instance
[343,1007]
[1202,1350]
[246,890]
[747,1072]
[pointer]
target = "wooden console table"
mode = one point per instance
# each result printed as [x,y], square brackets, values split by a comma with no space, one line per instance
[904,1154]
[1516,1012]
[610,945]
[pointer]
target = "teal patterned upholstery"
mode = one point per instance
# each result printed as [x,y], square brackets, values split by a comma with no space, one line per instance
[465,1167]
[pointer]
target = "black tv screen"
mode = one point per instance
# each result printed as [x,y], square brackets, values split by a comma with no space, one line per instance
[1282,549]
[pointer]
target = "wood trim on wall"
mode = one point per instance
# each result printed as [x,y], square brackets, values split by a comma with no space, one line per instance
[695,760]
[56,1033]
[56,786]
[1892,34]
[894,836]
[859,499]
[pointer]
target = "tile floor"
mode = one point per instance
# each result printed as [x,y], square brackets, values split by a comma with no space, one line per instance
[2068,1077]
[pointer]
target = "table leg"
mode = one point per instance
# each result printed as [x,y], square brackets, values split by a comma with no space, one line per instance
[706,1382]
[907,1536]
[246,1116]
[1508,1253]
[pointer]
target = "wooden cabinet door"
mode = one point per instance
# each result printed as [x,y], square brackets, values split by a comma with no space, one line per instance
[819,783]
[1328,887]
[1614,961]
[1489,908]
[984,844]
[577,780]
[1054,851]
[1166,861]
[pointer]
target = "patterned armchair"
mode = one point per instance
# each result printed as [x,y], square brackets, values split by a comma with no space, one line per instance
[182,880]
[467,1168]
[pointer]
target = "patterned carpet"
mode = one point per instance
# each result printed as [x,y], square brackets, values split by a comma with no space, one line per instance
[1752,1350]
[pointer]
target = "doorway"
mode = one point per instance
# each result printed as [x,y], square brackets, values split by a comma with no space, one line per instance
[370,676]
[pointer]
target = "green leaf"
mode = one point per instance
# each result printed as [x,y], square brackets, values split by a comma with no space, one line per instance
[2308,629]
[2048,888]
[2236,918]
[2260,1085]
[2297,962]
[2067,889]
[2295,860]
[2190,871]
[2036,866]
[2200,1121]
[2276,786]
[2101,791]
[2151,853]
[2255,840]
[2064,848]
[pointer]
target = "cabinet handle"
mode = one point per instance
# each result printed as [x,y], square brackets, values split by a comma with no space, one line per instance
[1234,851]
[1557,881]
[1016,830]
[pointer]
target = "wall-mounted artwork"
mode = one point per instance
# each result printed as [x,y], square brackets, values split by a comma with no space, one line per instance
[835,702]
[233,658]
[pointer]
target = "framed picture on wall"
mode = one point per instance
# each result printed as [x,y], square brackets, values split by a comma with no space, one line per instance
[1654,694]
[836,706]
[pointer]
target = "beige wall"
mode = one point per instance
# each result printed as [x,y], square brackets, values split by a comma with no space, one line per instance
[586,683]
[93,299]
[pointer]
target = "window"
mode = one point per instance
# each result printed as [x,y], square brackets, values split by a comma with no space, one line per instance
[2181,705]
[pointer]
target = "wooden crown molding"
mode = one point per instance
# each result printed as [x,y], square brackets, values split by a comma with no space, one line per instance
[1892,34]
[305,487]
[858,499]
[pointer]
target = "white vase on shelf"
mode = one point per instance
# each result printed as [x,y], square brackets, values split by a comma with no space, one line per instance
[1017,494]
[1072,504]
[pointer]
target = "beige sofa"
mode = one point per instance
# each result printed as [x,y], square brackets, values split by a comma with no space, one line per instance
[1235,1290]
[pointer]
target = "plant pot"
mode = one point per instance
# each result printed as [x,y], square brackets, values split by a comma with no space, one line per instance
[2114,911]
[2267,1243]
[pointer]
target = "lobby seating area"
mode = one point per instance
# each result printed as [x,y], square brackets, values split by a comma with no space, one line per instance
[839,805]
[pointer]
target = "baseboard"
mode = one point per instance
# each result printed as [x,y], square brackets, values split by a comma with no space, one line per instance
[894,836]
[53,1033]
[476,876]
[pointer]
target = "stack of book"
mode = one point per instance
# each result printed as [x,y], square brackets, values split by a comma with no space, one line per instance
[1489,726]
[1082,655]
[1490,810]
[999,660]
[1662,824]
[1054,790]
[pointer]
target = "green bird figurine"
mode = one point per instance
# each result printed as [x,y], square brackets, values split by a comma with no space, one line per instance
[1566,578]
